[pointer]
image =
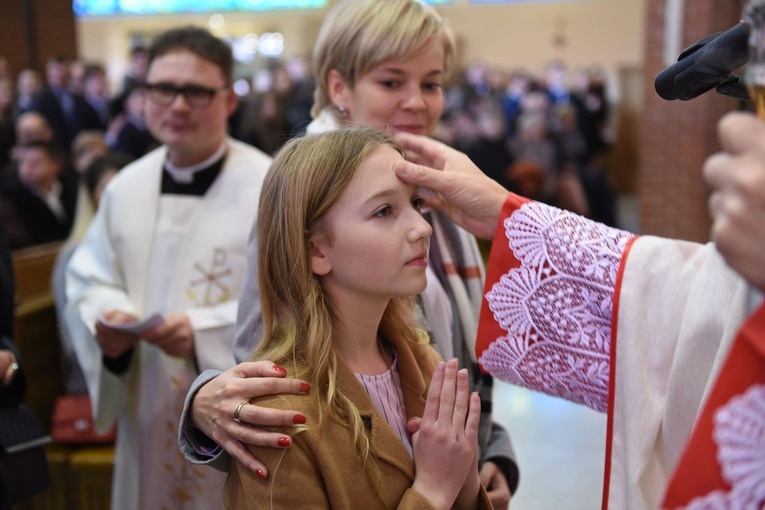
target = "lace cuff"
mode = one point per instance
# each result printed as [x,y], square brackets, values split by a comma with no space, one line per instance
[555,308]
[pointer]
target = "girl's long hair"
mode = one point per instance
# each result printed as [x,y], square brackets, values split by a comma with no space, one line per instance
[306,178]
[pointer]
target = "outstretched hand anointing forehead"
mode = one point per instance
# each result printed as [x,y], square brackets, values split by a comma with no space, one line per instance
[453,184]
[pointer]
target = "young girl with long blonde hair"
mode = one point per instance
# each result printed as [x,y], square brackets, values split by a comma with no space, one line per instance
[343,248]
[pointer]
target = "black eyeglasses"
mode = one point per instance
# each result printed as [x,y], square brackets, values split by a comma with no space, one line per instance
[163,94]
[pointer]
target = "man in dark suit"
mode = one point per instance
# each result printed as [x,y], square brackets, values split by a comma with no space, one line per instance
[134,138]
[42,193]
[67,113]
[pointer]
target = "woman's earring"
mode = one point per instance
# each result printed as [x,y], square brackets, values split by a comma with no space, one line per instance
[343,111]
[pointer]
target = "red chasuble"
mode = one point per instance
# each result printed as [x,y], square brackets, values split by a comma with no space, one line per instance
[723,465]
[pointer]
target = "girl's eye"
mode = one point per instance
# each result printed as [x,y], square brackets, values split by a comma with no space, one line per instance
[433,86]
[418,203]
[383,212]
[390,84]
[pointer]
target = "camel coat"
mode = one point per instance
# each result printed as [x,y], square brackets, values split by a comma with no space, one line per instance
[321,468]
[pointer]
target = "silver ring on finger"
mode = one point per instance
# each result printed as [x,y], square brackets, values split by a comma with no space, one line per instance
[238,410]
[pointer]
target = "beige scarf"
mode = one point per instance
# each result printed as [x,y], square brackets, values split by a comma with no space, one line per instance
[464,270]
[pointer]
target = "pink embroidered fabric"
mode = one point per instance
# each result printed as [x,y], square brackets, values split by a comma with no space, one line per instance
[556,307]
[739,432]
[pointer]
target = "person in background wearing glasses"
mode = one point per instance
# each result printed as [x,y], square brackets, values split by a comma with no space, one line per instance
[168,242]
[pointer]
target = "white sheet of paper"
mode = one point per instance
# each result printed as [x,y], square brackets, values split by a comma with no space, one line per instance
[135,327]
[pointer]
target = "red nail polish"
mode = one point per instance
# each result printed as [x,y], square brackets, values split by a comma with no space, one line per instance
[279,369]
[284,442]
[305,387]
[261,474]
[298,419]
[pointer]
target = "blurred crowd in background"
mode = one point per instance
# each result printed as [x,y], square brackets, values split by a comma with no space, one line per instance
[544,136]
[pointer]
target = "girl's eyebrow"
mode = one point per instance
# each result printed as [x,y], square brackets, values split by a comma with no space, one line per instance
[381,194]
[389,193]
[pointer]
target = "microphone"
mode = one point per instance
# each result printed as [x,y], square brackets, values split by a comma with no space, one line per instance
[707,64]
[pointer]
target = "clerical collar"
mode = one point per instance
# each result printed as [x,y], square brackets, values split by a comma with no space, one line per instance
[186,174]
[193,180]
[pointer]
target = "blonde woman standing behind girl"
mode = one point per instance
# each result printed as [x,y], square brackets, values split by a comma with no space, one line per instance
[379,64]
[337,268]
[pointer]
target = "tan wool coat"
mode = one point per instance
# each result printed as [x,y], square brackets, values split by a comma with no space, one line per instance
[321,468]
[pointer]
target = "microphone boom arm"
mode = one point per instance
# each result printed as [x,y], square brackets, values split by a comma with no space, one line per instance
[701,78]
[734,88]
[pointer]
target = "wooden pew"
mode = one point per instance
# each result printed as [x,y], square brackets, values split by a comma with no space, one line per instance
[81,475]
[36,327]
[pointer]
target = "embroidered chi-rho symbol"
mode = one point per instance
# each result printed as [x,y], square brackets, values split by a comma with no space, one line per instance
[209,289]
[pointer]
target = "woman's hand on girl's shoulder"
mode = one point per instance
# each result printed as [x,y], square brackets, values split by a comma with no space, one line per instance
[221,409]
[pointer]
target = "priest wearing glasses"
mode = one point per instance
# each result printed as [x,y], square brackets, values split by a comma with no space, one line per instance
[153,288]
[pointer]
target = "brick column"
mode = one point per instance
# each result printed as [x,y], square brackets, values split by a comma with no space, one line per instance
[31,31]
[677,136]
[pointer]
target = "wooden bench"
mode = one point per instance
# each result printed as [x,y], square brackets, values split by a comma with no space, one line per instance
[81,475]
[36,327]
[81,479]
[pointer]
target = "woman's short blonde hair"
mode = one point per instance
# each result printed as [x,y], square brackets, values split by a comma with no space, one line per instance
[359,35]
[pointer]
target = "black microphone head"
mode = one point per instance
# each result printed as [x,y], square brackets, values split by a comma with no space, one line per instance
[705,65]
[664,83]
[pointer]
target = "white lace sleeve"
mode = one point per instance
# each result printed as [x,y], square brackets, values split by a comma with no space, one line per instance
[556,307]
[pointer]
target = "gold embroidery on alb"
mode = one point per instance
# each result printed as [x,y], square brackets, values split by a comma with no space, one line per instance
[210,285]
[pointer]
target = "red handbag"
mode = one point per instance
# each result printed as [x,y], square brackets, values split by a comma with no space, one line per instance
[72,422]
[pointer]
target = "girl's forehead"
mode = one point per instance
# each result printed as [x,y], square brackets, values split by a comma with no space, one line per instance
[379,162]
[375,173]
